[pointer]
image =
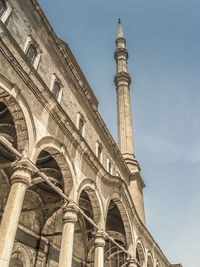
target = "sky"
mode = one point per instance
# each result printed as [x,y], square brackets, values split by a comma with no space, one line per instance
[163,41]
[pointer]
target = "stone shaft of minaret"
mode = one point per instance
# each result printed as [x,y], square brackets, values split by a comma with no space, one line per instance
[122,81]
[124,123]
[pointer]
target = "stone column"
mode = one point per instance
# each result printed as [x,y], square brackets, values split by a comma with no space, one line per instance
[66,250]
[20,180]
[99,244]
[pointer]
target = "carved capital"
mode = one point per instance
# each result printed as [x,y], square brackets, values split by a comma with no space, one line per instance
[70,213]
[21,174]
[132,262]
[99,240]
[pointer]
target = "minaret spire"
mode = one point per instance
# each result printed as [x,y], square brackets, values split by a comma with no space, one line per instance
[124,122]
[120,31]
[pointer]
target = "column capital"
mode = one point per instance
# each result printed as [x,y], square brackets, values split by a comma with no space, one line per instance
[70,212]
[132,262]
[99,239]
[21,173]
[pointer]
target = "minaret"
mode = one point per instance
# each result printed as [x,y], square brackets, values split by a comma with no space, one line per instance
[124,121]
[122,81]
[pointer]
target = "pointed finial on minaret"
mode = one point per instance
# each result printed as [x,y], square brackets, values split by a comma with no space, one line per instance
[120,31]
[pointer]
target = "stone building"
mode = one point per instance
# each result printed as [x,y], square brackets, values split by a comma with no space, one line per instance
[69,195]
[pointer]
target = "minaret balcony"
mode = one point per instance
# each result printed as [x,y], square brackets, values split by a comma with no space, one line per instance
[120,52]
[122,77]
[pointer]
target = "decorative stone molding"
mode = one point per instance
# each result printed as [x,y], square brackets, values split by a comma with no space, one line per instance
[70,213]
[99,240]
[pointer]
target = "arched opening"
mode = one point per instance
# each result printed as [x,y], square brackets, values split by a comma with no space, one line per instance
[13,129]
[31,53]
[149,261]
[89,202]
[52,231]
[47,164]
[140,254]
[81,125]
[83,236]
[53,164]
[8,131]
[114,220]
[115,228]
[12,125]
[56,89]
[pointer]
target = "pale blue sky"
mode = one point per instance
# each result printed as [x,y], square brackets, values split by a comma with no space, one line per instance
[163,41]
